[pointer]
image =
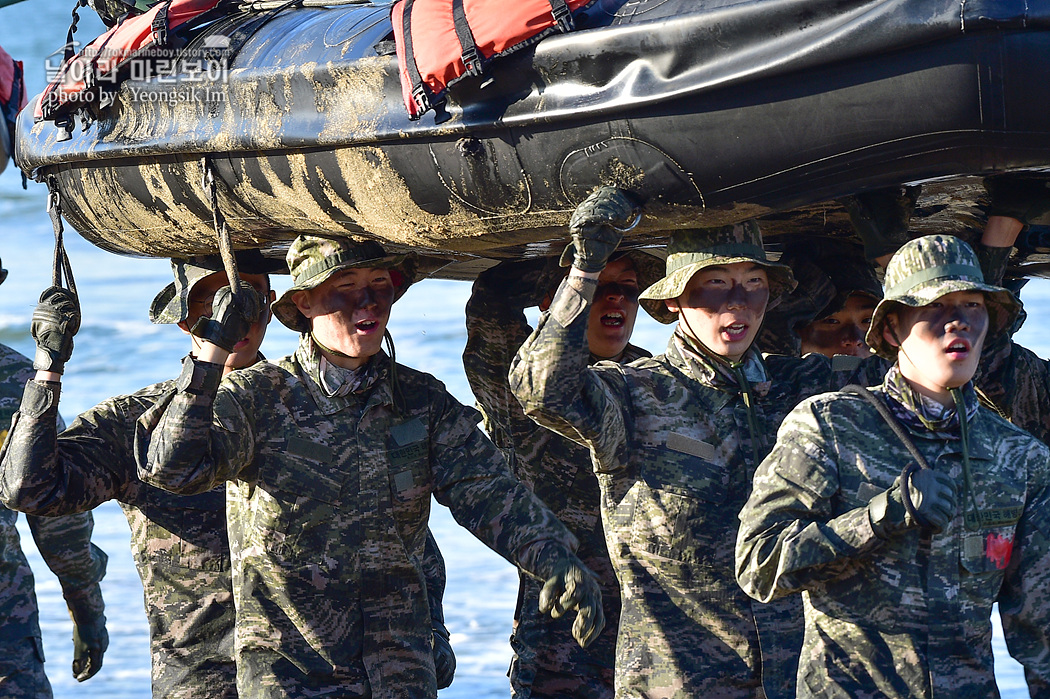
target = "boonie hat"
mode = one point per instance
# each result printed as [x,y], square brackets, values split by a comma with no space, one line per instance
[172,304]
[850,273]
[313,259]
[927,268]
[693,250]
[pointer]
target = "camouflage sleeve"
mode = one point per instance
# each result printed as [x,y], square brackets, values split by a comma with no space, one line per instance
[471,478]
[65,545]
[789,536]
[197,440]
[1024,598]
[1015,381]
[551,379]
[44,474]
[434,574]
[496,328]
[993,262]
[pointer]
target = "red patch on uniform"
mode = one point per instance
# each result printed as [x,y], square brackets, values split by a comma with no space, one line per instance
[998,550]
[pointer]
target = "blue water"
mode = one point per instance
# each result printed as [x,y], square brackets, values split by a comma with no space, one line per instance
[118,351]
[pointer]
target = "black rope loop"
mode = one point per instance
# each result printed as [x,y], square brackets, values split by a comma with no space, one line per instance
[60,265]
[229,262]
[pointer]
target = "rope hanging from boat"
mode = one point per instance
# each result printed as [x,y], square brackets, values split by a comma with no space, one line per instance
[219,221]
[61,265]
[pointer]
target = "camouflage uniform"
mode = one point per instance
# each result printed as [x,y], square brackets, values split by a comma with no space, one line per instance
[908,615]
[1016,383]
[179,542]
[547,660]
[327,511]
[65,546]
[674,441]
[1012,379]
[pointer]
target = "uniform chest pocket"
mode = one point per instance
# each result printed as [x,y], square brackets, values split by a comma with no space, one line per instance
[308,469]
[682,495]
[685,467]
[411,481]
[988,534]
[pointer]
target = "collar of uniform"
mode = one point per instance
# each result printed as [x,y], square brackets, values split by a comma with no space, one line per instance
[906,403]
[701,379]
[716,372]
[709,399]
[309,358]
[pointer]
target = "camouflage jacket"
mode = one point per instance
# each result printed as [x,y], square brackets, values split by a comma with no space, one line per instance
[559,472]
[179,542]
[327,511]
[908,616]
[1012,379]
[1015,382]
[674,445]
[64,542]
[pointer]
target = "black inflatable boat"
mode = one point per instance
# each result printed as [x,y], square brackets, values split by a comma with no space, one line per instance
[718,111]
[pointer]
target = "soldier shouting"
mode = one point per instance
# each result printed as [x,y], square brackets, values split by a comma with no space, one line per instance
[905,527]
[333,455]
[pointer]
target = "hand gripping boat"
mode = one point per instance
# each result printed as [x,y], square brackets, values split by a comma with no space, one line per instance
[717,111]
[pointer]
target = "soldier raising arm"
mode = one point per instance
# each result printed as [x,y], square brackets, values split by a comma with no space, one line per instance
[65,546]
[674,441]
[333,455]
[901,567]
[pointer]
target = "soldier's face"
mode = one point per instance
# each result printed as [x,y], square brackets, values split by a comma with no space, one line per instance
[842,332]
[940,343]
[614,311]
[245,352]
[349,312]
[723,306]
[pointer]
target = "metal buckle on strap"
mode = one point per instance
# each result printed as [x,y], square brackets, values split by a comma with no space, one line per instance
[471,61]
[160,27]
[563,17]
[421,100]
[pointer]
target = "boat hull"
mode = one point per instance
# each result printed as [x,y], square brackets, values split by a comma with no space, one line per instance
[304,141]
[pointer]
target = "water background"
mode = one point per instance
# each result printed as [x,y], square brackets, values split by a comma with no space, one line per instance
[118,351]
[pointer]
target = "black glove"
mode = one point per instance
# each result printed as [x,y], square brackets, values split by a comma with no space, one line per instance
[55,321]
[932,494]
[90,638]
[596,228]
[231,318]
[444,658]
[572,585]
[881,218]
[1020,196]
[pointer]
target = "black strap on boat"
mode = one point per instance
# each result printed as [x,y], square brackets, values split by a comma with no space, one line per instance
[69,51]
[229,263]
[562,15]
[247,30]
[898,429]
[419,90]
[159,25]
[61,266]
[468,46]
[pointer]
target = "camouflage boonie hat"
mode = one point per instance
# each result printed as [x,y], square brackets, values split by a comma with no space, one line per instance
[313,259]
[172,304]
[692,250]
[927,268]
[850,273]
